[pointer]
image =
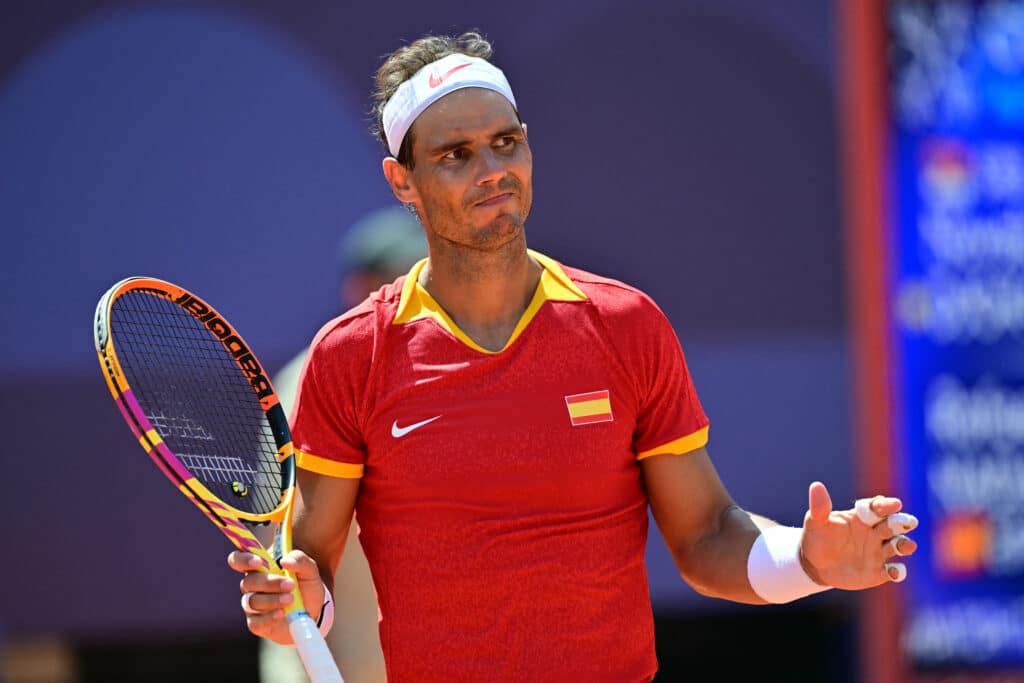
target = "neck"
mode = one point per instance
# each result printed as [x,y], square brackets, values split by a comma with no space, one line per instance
[485,293]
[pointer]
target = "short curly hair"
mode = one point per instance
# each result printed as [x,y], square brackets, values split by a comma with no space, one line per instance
[400,65]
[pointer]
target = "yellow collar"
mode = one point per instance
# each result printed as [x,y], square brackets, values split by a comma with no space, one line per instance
[416,303]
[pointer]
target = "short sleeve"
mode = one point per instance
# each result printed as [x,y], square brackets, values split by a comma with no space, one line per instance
[325,420]
[670,418]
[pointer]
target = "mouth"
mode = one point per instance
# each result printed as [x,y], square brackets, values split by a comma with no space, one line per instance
[495,200]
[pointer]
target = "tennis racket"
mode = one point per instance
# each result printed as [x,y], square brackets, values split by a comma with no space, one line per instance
[202,406]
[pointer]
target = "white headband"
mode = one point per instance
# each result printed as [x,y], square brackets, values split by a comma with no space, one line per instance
[433,82]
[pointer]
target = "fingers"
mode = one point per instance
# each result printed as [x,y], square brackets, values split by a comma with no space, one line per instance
[899,546]
[882,514]
[819,503]
[894,525]
[264,596]
[267,595]
[258,604]
[895,572]
[864,512]
[261,623]
[242,561]
[901,522]
[261,582]
[871,511]
[261,591]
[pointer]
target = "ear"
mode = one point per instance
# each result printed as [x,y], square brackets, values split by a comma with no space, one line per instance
[398,179]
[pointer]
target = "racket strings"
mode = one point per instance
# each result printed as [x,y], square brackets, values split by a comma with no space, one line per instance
[198,400]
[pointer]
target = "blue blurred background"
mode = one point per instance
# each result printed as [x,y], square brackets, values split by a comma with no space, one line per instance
[690,148]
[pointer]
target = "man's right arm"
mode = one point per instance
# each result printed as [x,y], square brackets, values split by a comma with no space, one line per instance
[322,517]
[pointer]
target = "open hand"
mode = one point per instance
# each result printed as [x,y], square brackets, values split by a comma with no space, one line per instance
[852,549]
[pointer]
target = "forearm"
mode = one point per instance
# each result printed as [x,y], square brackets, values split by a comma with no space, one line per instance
[716,564]
[720,549]
[326,552]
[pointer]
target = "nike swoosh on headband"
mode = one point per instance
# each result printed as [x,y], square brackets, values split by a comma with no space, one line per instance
[436,80]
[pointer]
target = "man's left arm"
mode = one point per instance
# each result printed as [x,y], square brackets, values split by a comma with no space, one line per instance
[711,538]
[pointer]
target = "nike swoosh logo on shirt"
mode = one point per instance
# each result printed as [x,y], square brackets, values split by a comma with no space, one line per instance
[436,80]
[399,432]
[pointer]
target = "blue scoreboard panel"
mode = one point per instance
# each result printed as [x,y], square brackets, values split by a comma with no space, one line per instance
[955,98]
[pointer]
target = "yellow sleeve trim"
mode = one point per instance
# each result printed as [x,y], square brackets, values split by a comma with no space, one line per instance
[331,468]
[680,446]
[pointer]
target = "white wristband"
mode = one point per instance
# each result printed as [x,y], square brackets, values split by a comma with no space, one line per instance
[326,613]
[773,566]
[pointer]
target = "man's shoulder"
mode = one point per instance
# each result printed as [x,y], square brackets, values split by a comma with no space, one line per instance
[360,323]
[611,297]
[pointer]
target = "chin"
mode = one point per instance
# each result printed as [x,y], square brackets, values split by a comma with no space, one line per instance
[499,232]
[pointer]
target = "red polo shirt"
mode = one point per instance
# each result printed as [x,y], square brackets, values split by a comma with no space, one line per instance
[501,506]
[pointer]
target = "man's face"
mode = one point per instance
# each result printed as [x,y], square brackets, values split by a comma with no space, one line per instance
[472,169]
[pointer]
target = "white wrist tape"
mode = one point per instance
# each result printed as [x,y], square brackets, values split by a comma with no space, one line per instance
[773,566]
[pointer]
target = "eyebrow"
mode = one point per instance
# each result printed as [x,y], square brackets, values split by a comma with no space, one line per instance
[447,146]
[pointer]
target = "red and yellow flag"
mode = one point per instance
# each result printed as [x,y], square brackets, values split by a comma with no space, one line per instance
[588,408]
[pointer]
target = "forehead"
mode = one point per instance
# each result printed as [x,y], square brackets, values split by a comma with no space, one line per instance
[464,113]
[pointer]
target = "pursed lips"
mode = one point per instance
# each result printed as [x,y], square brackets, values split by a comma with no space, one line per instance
[496,199]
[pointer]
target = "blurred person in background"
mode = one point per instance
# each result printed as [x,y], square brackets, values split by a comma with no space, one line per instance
[377,249]
[503,423]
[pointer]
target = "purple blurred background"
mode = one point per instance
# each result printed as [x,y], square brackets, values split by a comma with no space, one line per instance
[687,147]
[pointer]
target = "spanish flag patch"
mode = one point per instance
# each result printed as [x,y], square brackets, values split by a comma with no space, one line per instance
[588,408]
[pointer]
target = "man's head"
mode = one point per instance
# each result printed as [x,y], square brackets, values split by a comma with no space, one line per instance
[460,155]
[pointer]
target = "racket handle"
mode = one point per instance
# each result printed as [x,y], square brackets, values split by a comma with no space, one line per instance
[316,658]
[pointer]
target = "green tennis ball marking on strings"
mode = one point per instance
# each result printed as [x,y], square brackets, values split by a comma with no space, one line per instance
[239,489]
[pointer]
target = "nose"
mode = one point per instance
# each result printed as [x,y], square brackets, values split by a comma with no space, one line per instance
[491,168]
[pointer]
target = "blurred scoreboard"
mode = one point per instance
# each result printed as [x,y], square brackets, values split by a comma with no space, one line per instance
[954,234]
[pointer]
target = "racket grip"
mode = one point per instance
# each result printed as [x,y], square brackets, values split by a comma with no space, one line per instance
[316,658]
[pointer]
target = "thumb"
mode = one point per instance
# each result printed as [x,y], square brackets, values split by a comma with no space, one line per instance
[307,576]
[819,504]
[300,565]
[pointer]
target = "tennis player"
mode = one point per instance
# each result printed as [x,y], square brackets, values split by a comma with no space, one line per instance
[501,423]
